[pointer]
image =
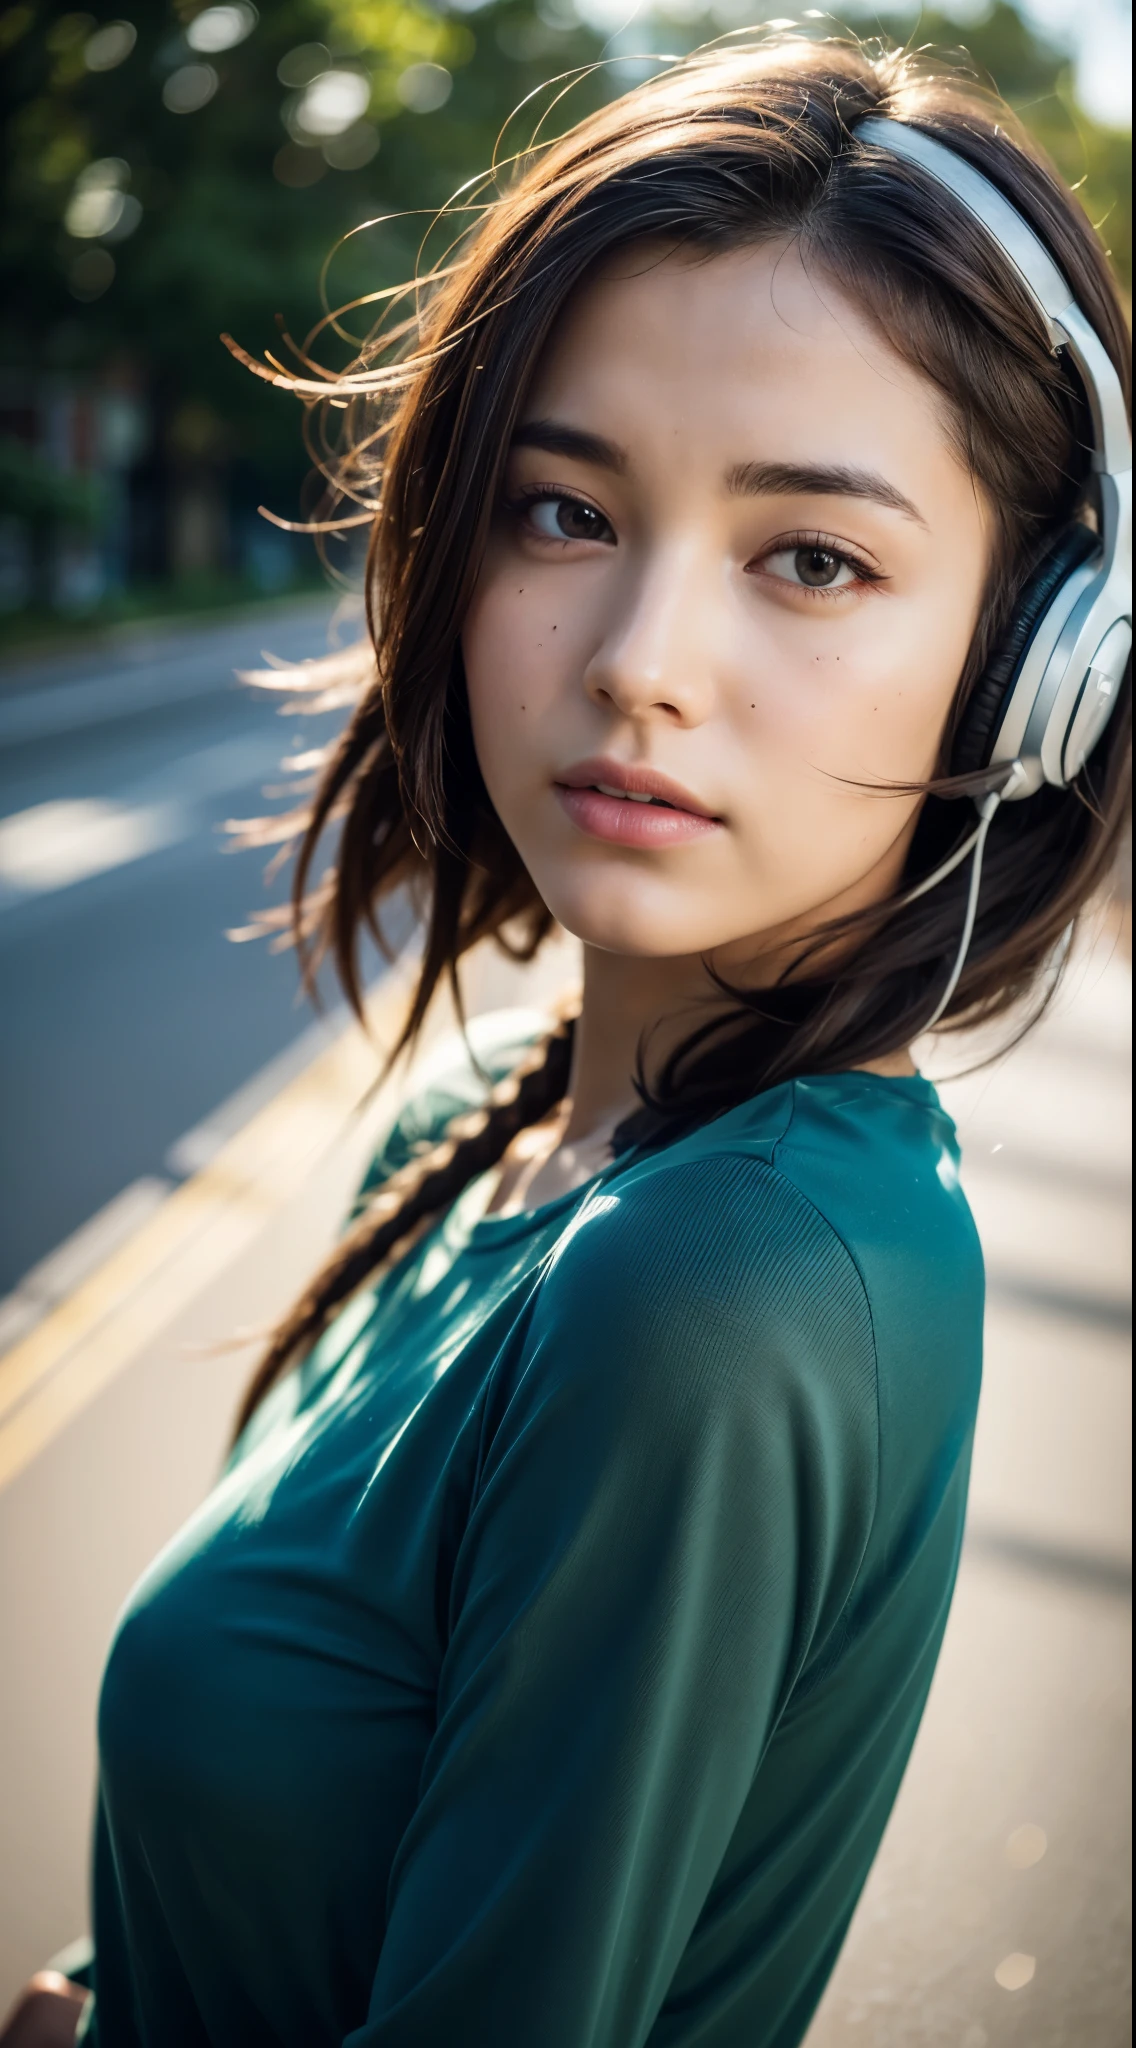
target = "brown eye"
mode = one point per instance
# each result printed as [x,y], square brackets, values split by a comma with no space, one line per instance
[579,522]
[817,567]
[812,566]
[568,519]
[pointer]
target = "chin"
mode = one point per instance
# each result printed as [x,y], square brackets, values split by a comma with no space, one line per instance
[630,916]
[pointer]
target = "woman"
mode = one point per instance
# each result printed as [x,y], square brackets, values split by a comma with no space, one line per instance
[544,1667]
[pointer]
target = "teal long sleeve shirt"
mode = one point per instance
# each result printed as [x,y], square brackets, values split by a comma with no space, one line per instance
[543,1669]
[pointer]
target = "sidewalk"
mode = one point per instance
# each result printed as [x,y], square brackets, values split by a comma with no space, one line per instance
[997,1915]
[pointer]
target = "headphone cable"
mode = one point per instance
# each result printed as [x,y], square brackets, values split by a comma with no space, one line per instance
[975,845]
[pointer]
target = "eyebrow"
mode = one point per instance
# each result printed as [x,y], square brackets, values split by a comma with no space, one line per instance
[791,479]
[553,437]
[744,480]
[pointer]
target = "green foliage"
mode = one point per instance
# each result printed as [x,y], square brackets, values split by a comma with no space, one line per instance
[220,241]
[1098,163]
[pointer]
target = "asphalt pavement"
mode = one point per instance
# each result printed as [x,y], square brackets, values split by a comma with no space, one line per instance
[127,1014]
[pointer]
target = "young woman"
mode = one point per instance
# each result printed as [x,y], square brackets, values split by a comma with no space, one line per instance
[542,1672]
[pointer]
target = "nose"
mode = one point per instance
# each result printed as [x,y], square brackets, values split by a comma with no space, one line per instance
[654,660]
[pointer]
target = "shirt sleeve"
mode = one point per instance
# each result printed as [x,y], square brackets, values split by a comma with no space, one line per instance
[676,1484]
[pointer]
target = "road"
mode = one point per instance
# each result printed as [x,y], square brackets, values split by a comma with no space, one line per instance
[127,1014]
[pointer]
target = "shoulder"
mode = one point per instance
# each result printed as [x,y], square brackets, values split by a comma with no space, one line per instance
[819,1229]
[454,1078]
[881,1158]
[880,1161]
[711,1276]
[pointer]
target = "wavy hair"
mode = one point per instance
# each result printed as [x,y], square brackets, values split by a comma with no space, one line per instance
[727,148]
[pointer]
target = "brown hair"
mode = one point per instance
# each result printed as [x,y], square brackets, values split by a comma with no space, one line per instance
[731,146]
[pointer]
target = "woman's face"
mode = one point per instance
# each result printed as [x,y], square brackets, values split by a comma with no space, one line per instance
[735,572]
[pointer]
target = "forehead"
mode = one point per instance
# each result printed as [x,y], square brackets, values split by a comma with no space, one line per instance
[712,352]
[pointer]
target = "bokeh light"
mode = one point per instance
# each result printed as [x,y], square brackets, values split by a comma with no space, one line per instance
[221,28]
[110,46]
[1026,1846]
[1015,1971]
[189,88]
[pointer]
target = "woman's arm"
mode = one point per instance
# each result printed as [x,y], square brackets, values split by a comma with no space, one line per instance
[676,1487]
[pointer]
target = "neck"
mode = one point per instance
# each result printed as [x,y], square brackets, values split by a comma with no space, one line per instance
[627,1000]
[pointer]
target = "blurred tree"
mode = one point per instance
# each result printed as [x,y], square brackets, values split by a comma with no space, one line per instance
[189,169]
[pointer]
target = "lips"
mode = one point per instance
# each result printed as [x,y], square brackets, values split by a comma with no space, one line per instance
[628,805]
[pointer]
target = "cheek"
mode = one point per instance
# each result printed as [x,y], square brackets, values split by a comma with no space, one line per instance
[867,700]
[909,668]
[491,644]
[507,644]
[495,643]
[522,654]
[842,705]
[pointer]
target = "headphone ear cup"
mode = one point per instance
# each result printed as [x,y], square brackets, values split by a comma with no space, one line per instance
[986,706]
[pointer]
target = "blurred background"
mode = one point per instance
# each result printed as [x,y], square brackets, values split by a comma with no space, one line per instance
[189,170]
[178,1137]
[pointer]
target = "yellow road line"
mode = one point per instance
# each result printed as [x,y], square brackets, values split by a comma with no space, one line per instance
[70,1356]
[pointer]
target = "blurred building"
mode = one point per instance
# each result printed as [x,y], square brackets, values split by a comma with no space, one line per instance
[104,491]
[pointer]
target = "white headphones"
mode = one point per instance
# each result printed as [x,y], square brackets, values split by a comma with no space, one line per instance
[1049,691]
[1048,696]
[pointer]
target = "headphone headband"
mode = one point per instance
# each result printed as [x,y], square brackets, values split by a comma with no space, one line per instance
[1051,293]
[1029,256]
[1066,683]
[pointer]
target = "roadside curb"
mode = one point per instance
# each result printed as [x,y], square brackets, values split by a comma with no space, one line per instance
[190,1236]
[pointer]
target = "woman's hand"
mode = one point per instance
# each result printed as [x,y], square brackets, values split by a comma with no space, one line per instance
[46,2013]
